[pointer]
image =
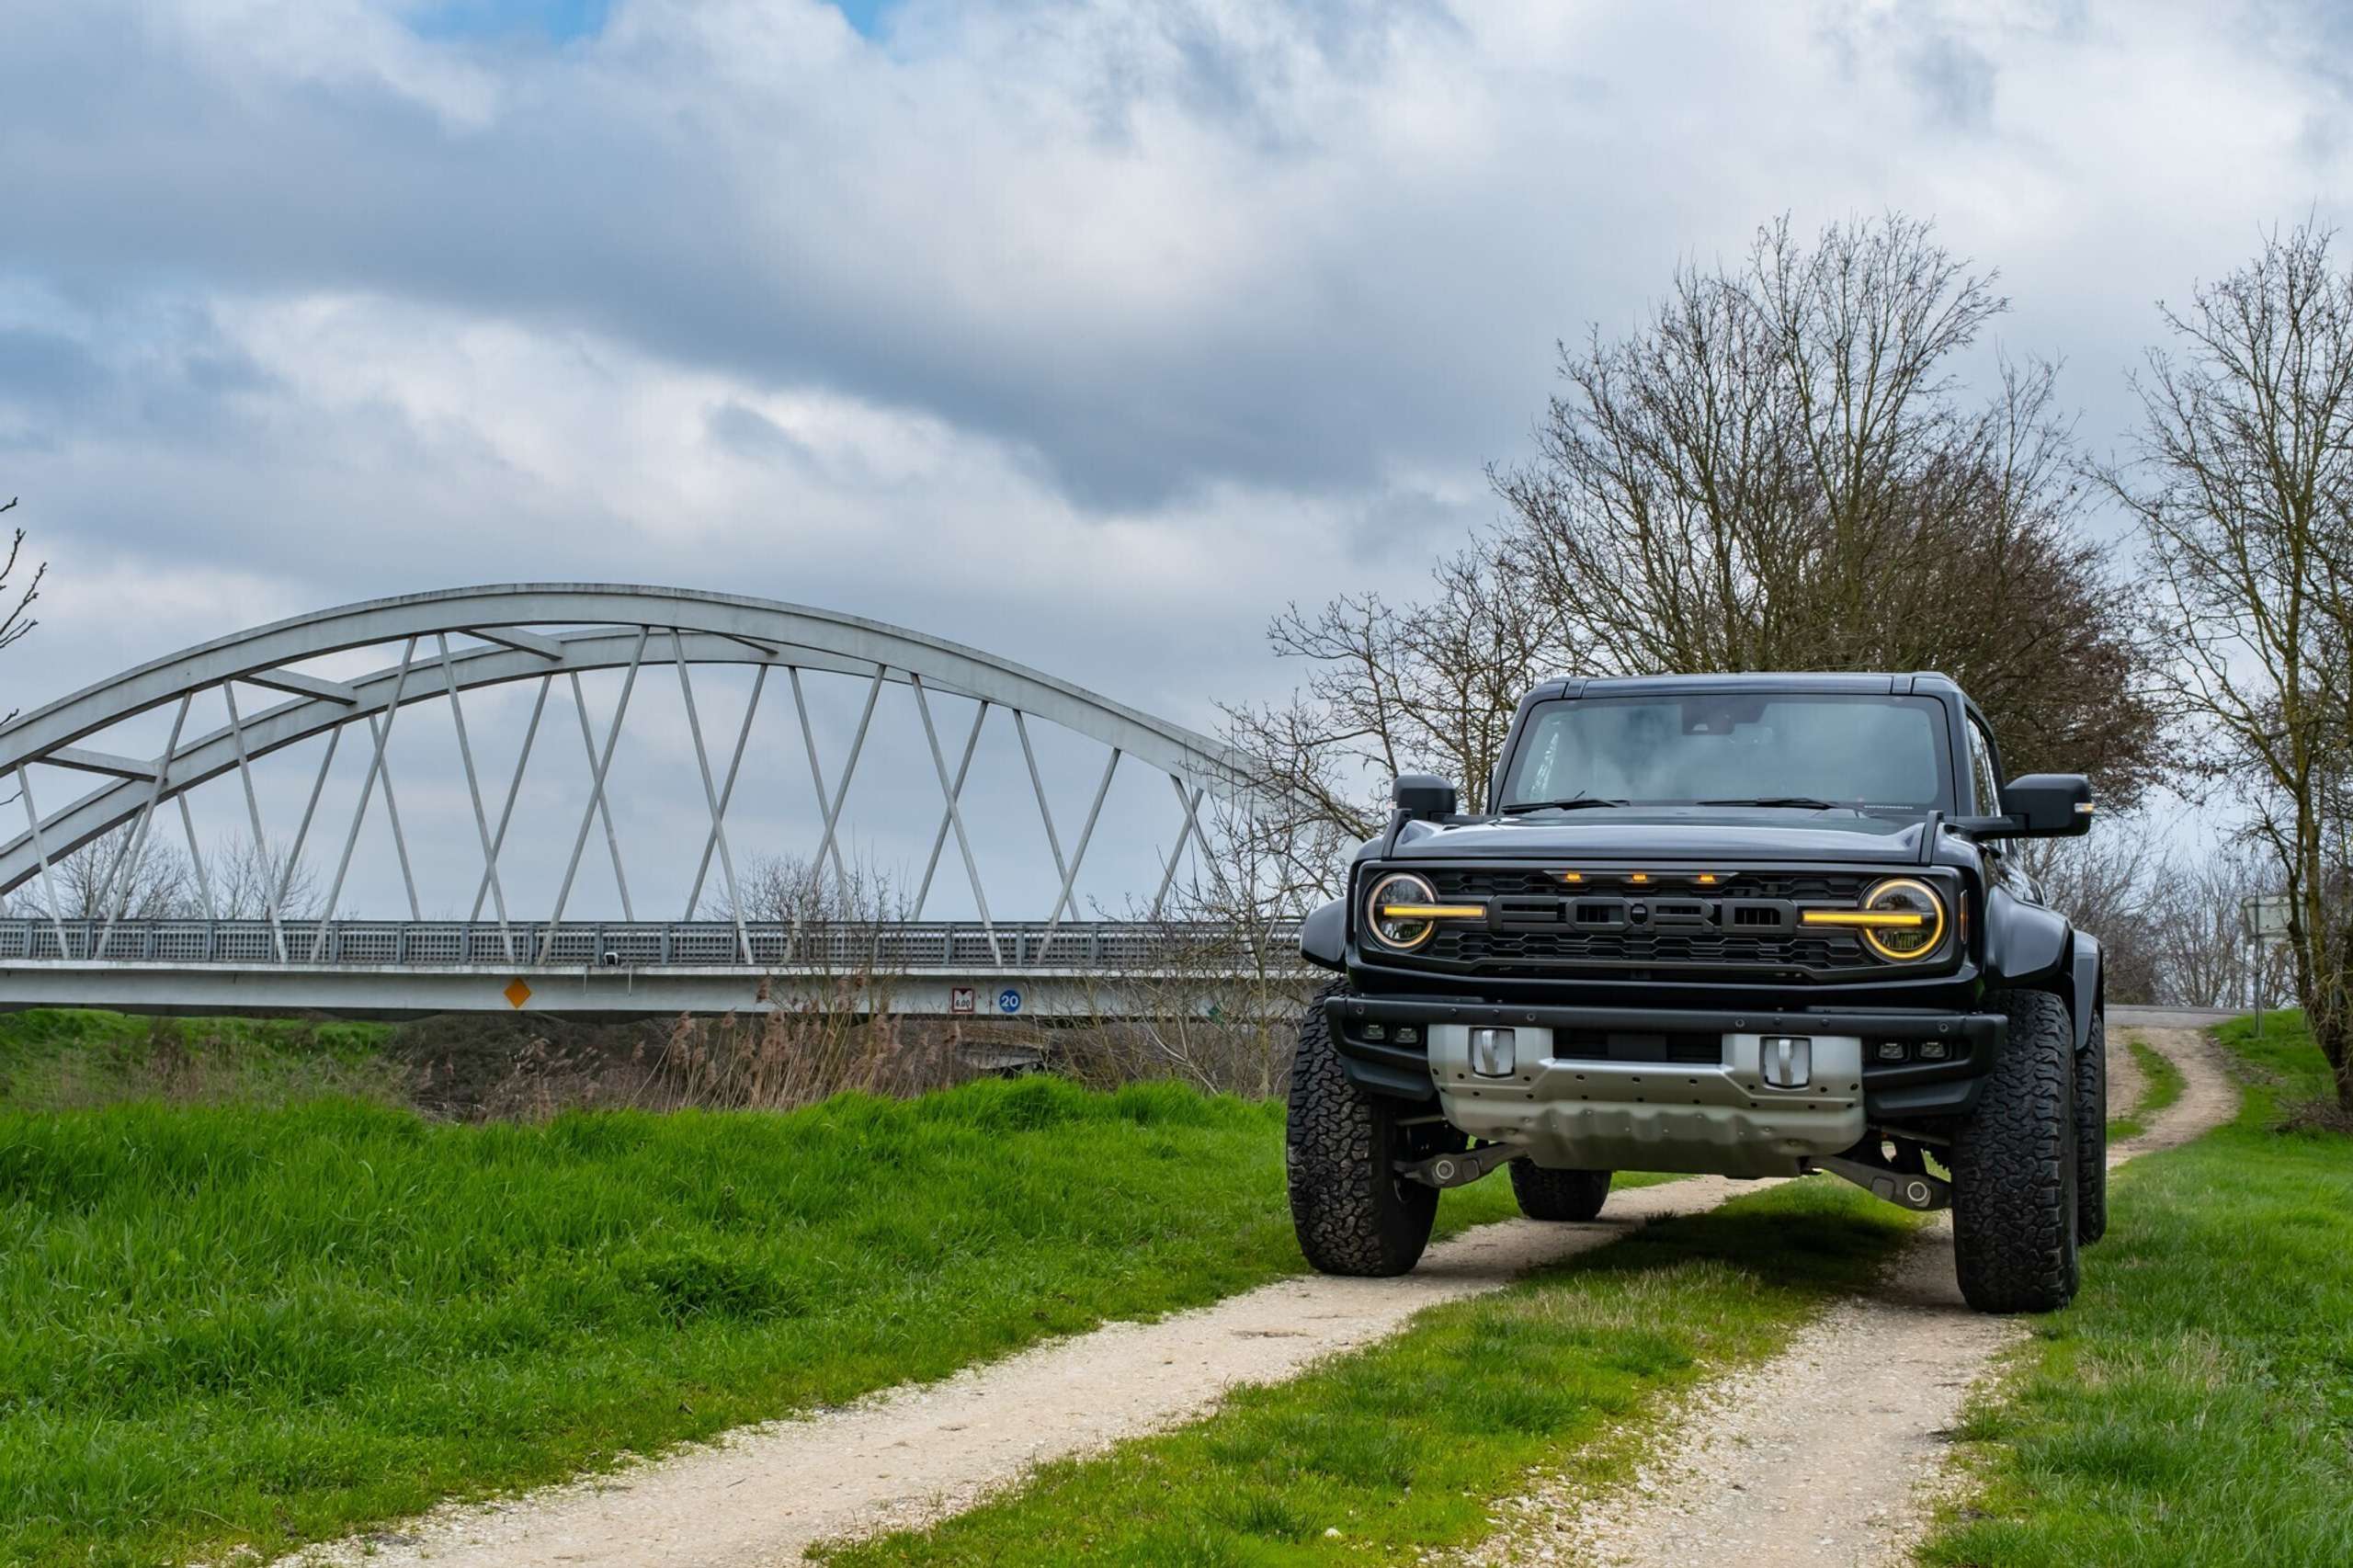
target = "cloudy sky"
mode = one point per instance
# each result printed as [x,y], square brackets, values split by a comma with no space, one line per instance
[1088,334]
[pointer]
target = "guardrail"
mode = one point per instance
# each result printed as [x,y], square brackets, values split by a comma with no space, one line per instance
[911,947]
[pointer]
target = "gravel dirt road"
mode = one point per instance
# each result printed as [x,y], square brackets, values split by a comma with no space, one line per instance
[1832,1453]
[916,1453]
[2126,1082]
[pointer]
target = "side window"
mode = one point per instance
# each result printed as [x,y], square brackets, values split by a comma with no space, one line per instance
[1981,768]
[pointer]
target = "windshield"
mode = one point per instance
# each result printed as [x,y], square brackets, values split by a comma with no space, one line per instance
[1844,749]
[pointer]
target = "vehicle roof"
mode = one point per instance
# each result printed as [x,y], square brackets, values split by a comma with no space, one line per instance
[1924,682]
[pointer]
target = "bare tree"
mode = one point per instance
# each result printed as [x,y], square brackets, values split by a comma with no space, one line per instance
[16,619]
[1781,471]
[2107,883]
[1211,992]
[104,878]
[1389,690]
[786,889]
[2243,482]
[246,877]
[838,923]
[1778,471]
[2205,956]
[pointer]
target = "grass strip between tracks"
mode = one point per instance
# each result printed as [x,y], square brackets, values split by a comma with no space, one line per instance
[1389,1453]
[2161,1086]
[225,1325]
[2194,1407]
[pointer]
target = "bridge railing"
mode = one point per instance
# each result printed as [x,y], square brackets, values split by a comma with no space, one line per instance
[1095,947]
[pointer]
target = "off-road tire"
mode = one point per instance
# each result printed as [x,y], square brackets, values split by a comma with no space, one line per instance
[2013,1167]
[1558,1195]
[1354,1213]
[2091,1135]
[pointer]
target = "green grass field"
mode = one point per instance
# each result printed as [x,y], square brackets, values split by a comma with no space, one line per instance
[1388,1454]
[273,1324]
[280,1318]
[2194,1407]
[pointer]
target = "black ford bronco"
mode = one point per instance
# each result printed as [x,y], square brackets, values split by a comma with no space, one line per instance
[1755,924]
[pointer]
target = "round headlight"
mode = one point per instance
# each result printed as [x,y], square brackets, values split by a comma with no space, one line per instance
[1403,935]
[1905,895]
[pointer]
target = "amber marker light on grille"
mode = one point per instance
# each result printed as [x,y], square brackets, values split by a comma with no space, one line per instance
[1638,877]
[1707,878]
[1573,876]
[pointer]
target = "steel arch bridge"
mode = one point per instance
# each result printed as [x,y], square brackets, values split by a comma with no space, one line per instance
[74,935]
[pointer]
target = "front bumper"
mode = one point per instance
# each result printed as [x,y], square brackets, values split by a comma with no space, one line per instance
[1669,1088]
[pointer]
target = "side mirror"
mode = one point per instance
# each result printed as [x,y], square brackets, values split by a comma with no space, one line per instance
[2038,806]
[1424,796]
[2049,805]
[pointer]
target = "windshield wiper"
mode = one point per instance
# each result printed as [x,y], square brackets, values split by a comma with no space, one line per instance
[1574,803]
[1806,802]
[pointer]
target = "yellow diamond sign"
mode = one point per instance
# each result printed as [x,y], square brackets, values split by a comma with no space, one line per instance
[516,993]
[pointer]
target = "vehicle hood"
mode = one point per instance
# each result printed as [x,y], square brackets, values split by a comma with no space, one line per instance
[1671,833]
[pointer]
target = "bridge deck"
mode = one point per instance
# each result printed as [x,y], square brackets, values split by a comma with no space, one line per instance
[1064,970]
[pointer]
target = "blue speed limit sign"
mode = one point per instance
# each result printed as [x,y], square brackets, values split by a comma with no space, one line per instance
[1009,1000]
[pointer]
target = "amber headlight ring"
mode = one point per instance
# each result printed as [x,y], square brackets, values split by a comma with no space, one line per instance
[1901,919]
[1402,912]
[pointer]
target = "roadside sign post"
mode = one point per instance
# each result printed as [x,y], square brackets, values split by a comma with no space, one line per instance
[2263,919]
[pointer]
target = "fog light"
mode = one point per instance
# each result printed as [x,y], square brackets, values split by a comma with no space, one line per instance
[1934,1050]
[1892,1051]
[1376,1031]
[1493,1054]
[1407,1034]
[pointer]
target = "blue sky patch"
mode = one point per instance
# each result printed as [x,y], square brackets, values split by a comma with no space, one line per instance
[866,15]
[563,21]
[559,21]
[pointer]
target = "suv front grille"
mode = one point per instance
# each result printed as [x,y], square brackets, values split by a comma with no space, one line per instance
[1497,950]
[1746,924]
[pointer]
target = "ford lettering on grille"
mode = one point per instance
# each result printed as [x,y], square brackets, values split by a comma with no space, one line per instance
[1538,924]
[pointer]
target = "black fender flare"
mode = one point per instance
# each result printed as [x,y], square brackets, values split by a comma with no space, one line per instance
[2025,945]
[1323,936]
[2029,946]
[2089,987]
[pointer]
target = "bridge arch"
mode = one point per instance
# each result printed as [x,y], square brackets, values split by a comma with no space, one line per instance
[543,632]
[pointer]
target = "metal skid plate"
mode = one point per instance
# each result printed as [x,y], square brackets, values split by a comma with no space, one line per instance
[1723,1116]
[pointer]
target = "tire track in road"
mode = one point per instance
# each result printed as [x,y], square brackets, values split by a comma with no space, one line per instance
[911,1455]
[1832,1453]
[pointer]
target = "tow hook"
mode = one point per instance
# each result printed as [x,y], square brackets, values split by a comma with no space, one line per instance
[1906,1189]
[1461,1168]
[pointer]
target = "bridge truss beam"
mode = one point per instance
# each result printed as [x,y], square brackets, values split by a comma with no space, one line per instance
[540,632]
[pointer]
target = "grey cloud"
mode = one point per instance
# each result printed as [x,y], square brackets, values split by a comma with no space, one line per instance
[1957,82]
[1410,526]
[47,368]
[850,228]
[749,433]
[584,204]
[164,376]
